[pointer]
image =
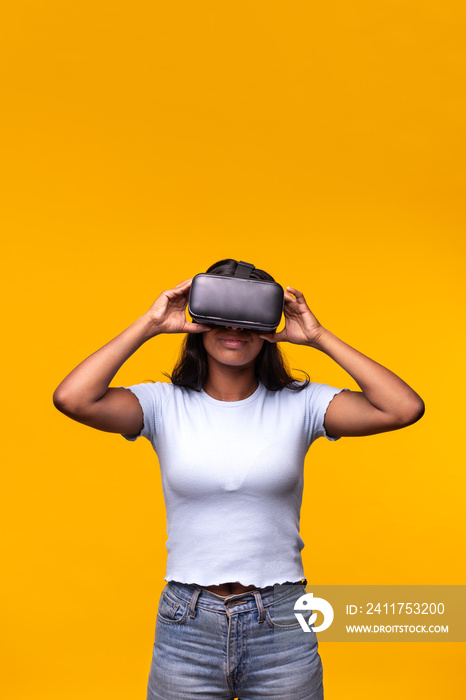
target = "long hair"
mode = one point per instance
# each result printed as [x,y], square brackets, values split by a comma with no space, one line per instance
[271,368]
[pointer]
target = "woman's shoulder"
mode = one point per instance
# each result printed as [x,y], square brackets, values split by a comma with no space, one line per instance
[166,389]
[153,390]
[298,387]
[307,392]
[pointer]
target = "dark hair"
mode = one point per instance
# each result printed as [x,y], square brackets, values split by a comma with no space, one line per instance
[271,368]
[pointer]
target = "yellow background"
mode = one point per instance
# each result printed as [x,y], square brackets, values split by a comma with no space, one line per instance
[140,143]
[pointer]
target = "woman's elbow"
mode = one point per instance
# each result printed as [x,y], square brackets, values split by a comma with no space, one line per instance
[64,402]
[412,412]
[59,399]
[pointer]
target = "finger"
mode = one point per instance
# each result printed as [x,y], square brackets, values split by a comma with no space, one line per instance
[274,337]
[182,287]
[299,295]
[289,298]
[185,282]
[179,291]
[270,337]
[196,328]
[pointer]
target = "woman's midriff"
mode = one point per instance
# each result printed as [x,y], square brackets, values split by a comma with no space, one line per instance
[225,589]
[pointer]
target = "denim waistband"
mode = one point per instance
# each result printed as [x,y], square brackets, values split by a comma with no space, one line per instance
[259,598]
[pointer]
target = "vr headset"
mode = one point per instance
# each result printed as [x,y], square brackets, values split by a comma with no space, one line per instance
[236,301]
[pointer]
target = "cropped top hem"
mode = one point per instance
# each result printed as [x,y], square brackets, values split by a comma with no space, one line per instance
[256,584]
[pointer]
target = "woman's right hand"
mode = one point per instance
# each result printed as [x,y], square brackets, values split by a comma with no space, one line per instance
[84,394]
[167,313]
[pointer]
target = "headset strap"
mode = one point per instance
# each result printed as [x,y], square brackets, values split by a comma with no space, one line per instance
[244,269]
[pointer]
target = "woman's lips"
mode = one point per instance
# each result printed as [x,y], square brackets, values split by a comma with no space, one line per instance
[233,342]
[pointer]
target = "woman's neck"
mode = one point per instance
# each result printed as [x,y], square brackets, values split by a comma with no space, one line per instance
[232,384]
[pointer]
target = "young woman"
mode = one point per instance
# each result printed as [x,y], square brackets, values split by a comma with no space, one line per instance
[231,431]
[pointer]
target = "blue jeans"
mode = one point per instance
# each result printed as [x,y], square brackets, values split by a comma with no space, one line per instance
[245,646]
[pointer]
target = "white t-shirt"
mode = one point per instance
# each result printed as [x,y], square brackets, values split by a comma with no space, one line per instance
[232,478]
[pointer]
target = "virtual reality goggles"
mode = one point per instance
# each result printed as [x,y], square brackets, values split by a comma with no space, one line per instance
[236,301]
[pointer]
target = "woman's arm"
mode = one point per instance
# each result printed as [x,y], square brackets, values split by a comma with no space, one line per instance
[84,394]
[385,401]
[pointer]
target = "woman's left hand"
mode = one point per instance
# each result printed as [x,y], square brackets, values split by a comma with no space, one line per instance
[385,401]
[301,326]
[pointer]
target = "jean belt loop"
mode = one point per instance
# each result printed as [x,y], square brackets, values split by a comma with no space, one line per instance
[260,605]
[193,601]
